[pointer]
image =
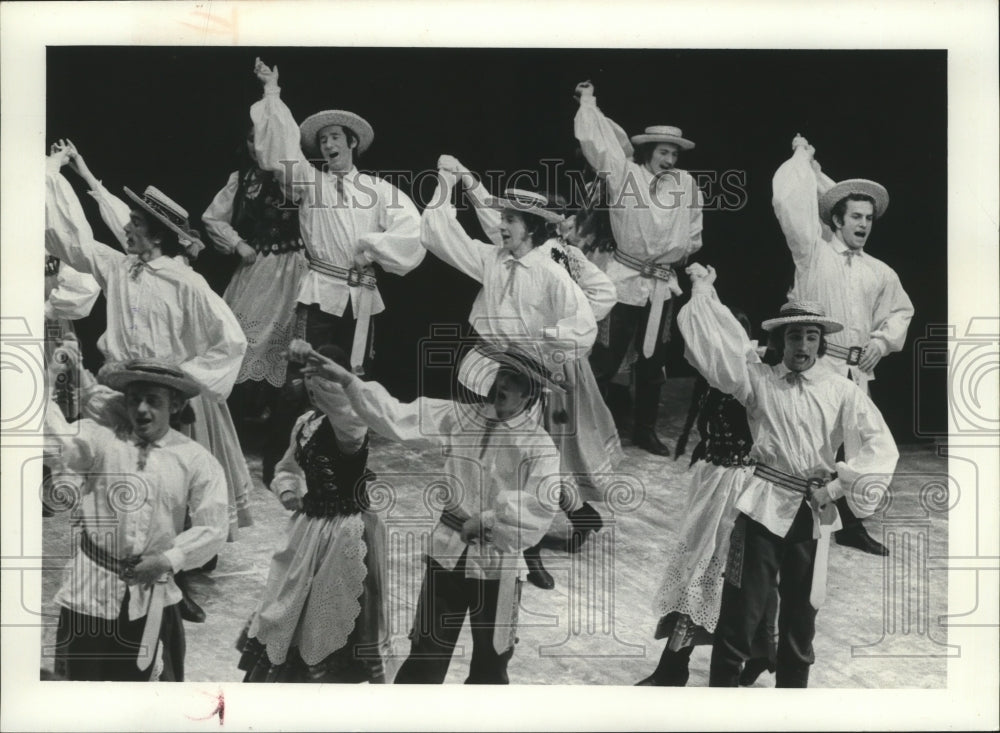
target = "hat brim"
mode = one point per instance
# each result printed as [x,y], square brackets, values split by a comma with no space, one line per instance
[502,203]
[194,246]
[682,143]
[312,124]
[480,366]
[121,378]
[860,186]
[827,324]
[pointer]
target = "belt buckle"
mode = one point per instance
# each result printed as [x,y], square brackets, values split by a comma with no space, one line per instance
[854,356]
[353,277]
[648,270]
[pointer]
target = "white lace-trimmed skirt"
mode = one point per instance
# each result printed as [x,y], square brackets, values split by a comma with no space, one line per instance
[214,429]
[693,579]
[262,296]
[326,580]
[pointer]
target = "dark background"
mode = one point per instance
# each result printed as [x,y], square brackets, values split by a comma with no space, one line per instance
[173,117]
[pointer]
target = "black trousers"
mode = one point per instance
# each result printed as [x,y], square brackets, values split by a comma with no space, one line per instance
[445,598]
[760,561]
[98,649]
[627,326]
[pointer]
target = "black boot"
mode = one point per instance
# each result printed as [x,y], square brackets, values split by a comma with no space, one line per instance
[190,611]
[857,536]
[647,406]
[537,574]
[583,522]
[672,671]
[753,669]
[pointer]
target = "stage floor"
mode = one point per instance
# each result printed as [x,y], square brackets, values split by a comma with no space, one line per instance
[879,628]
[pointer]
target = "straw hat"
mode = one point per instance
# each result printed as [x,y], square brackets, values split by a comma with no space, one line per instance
[152,371]
[663,134]
[844,189]
[479,368]
[312,124]
[803,311]
[527,202]
[169,213]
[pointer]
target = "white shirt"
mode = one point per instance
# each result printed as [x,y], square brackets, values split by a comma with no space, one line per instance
[659,223]
[72,296]
[530,301]
[165,311]
[128,510]
[597,287]
[861,292]
[506,472]
[372,219]
[796,428]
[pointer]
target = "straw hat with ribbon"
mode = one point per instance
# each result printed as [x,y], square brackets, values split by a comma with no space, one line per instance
[803,311]
[526,202]
[312,124]
[857,186]
[152,371]
[169,213]
[663,134]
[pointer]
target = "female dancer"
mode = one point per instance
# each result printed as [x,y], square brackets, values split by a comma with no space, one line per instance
[322,616]
[252,218]
[690,594]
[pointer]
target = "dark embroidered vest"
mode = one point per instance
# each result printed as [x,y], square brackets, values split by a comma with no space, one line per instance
[725,433]
[263,217]
[335,482]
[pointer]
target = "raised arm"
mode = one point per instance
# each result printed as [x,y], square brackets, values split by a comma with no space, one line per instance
[443,236]
[114,212]
[796,201]
[520,516]
[396,247]
[489,218]
[598,141]
[277,141]
[714,341]
[68,235]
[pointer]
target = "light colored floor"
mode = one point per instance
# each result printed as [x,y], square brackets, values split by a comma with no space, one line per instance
[878,629]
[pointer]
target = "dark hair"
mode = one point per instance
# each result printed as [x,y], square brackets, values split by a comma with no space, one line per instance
[537,227]
[776,341]
[527,386]
[169,245]
[643,152]
[840,208]
[353,142]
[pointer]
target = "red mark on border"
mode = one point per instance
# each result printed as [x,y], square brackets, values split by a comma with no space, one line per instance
[220,707]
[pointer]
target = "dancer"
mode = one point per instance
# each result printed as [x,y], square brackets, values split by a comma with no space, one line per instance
[119,613]
[827,226]
[322,615]
[252,219]
[530,301]
[656,218]
[585,432]
[797,415]
[158,307]
[350,221]
[502,470]
[688,599]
